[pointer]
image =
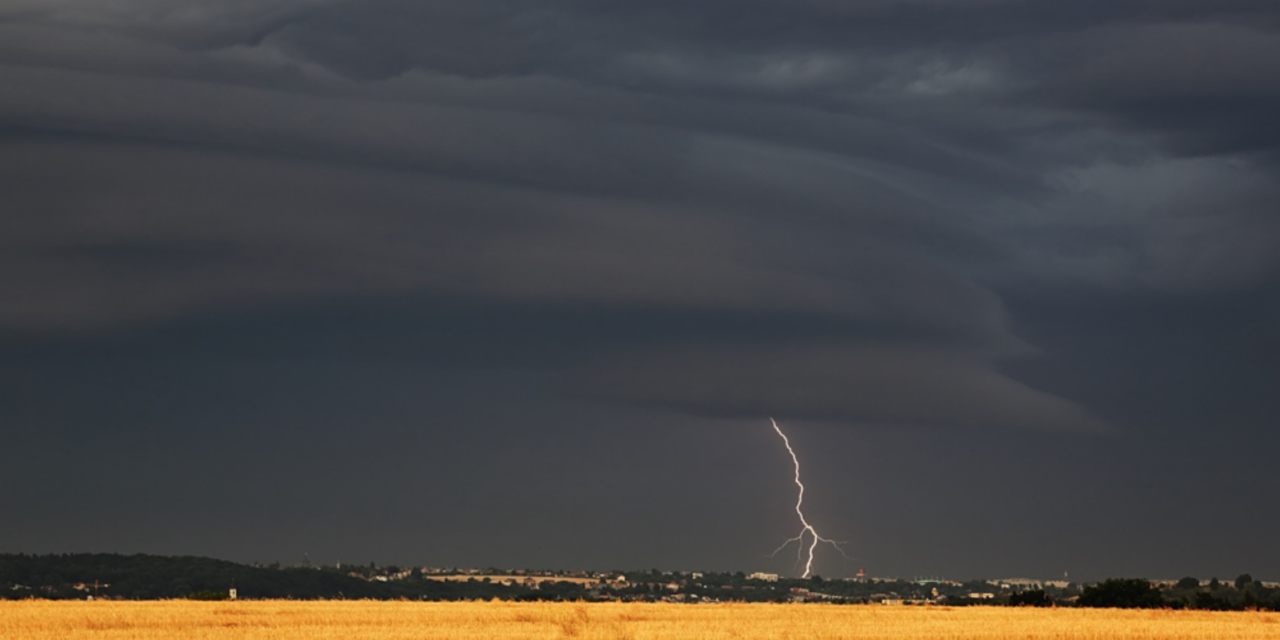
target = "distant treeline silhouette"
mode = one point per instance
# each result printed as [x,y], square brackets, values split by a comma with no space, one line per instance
[146,577]
[1187,593]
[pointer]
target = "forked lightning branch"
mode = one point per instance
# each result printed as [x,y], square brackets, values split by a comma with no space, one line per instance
[807,532]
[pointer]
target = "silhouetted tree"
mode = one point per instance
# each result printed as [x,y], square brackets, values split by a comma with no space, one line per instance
[1208,602]
[1033,598]
[1124,593]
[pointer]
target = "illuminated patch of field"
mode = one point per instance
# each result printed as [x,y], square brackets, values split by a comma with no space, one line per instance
[358,620]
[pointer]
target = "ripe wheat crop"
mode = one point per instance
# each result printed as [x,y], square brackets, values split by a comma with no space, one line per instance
[361,620]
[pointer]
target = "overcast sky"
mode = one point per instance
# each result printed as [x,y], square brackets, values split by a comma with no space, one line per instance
[506,283]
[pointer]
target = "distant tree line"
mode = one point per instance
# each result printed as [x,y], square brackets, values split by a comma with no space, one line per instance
[1136,593]
[143,577]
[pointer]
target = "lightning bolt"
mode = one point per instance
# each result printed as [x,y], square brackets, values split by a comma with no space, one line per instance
[807,529]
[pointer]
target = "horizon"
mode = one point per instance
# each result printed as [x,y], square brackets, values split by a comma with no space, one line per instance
[481,568]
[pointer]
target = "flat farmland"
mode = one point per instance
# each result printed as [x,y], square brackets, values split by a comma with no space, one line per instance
[357,620]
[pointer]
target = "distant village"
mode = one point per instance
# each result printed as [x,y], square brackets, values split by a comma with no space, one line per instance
[711,587]
[137,577]
[697,586]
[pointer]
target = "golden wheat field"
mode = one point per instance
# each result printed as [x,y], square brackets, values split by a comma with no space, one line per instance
[359,620]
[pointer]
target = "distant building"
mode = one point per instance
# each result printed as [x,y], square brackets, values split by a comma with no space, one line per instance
[765,577]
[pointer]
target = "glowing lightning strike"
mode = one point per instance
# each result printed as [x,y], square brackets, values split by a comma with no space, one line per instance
[808,528]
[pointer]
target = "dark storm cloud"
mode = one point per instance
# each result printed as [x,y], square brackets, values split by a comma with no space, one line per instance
[881,170]
[494,38]
[1203,88]
[399,275]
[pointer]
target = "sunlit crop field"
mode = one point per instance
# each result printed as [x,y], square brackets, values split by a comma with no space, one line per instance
[355,620]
